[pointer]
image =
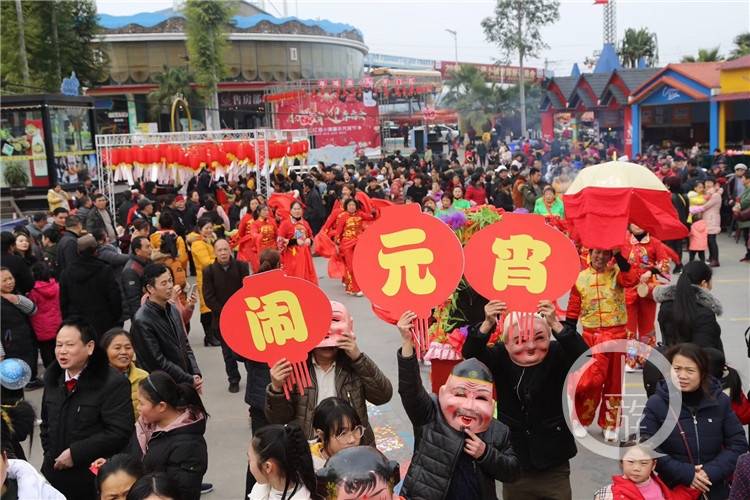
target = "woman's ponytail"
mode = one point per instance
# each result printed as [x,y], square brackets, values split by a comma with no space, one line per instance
[190,398]
[693,274]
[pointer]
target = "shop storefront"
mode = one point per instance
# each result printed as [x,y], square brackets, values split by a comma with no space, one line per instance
[49,137]
[734,105]
[677,106]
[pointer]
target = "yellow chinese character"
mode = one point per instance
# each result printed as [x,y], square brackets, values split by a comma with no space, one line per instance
[519,263]
[275,318]
[408,260]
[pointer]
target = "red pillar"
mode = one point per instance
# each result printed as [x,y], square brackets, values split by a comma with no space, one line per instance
[548,124]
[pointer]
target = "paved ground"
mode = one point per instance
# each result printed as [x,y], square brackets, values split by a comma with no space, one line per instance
[228,430]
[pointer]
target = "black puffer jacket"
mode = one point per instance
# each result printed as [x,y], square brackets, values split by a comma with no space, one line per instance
[438,446]
[18,339]
[529,398]
[161,343]
[95,420]
[89,289]
[181,453]
[705,330]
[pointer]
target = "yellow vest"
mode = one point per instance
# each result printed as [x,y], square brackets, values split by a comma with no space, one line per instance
[602,299]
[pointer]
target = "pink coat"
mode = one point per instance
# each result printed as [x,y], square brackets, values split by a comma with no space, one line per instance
[46,321]
[711,212]
[698,236]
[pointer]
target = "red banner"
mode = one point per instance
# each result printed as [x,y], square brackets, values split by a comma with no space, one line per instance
[331,120]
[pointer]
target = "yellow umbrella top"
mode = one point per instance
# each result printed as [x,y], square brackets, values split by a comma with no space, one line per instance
[616,174]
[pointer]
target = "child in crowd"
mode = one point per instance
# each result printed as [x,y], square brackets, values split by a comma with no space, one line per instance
[698,237]
[337,427]
[279,459]
[639,481]
[48,317]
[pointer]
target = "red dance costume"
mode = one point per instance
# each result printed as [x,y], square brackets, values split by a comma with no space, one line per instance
[296,259]
[598,300]
[647,253]
[348,228]
[245,242]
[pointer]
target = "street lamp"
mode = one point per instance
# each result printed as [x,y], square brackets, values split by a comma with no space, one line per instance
[455,43]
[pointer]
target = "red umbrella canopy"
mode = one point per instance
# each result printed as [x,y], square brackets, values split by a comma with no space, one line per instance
[604,198]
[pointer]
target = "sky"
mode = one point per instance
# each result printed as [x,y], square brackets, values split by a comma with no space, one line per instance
[416,28]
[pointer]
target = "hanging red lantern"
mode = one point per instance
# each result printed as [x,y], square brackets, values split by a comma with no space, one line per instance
[126,156]
[139,156]
[163,152]
[114,157]
[152,155]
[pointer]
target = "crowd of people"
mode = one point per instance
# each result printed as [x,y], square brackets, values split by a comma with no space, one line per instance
[99,305]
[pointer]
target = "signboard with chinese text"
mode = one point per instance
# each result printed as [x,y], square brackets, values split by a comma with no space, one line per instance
[331,121]
[407,260]
[520,261]
[492,72]
[274,316]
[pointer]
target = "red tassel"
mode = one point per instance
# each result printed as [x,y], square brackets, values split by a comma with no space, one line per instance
[308,380]
[298,378]
[286,389]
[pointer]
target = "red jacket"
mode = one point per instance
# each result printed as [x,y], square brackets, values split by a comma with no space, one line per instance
[742,409]
[624,489]
[476,194]
[46,321]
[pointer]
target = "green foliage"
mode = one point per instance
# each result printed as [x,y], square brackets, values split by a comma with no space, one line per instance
[742,43]
[478,101]
[50,57]
[516,24]
[171,81]
[15,174]
[206,28]
[705,55]
[636,44]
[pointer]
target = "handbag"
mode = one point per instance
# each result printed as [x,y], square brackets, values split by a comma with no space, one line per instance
[687,446]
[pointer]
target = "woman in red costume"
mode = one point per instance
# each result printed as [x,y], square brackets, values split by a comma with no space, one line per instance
[349,226]
[244,240]
[295,239]
[264,229]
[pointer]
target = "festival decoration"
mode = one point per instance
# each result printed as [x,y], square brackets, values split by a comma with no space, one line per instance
[166,162]
[274,316]
[408,260]
[513,260]
[604,198]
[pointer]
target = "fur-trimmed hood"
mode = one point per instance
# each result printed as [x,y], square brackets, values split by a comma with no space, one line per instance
[702,296]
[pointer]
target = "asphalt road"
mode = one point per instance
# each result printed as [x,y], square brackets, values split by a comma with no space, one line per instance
[228,431]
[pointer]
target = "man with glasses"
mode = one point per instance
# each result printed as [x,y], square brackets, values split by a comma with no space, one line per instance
[158,331]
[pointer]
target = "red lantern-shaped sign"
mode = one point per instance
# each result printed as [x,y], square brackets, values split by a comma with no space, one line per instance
[408,260]
[275,316]
[520,261]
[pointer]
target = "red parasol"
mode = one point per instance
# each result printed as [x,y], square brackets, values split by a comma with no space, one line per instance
[604,198]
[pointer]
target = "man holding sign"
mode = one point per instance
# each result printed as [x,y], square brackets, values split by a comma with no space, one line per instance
[337,368]
[529,373]
[460,450]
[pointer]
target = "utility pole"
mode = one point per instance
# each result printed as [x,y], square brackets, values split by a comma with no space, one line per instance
[455,45]
[22,44]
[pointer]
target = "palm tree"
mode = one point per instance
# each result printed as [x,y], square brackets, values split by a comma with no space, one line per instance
[705,55]
[742,41]
[472,97]
[637,44]
[172,81]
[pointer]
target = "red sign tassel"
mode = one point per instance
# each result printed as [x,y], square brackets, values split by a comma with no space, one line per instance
[308,380]
[286,384]
[298,378]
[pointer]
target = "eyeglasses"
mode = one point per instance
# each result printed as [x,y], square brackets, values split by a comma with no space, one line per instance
[357,432]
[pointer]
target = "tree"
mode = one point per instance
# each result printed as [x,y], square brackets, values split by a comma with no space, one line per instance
[171,81]
[637,44]
[471,96]
[515,29]
[742,42]
[705,55]
[206,25]
[57,40]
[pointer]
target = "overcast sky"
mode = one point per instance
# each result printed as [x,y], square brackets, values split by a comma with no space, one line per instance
[416,28]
